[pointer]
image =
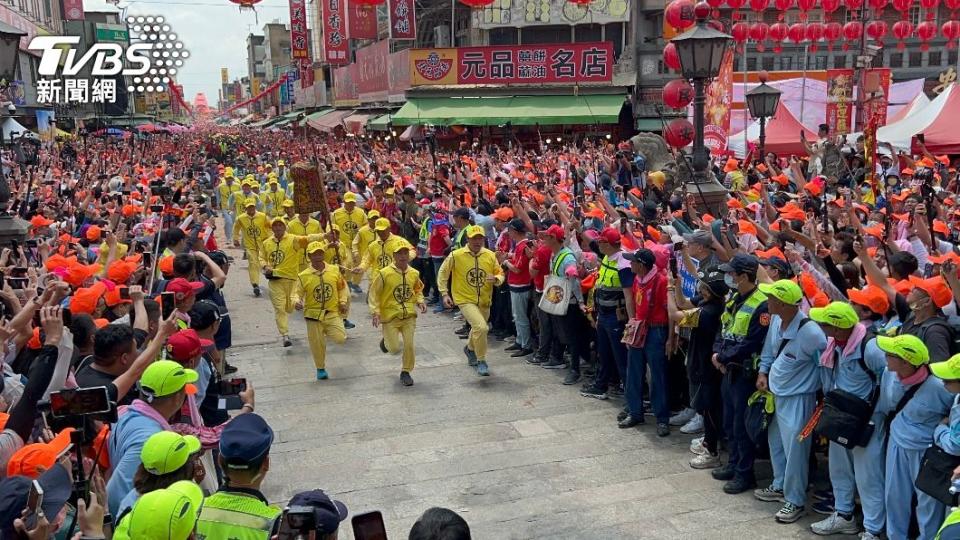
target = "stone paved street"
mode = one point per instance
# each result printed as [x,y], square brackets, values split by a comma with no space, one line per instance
[517,454]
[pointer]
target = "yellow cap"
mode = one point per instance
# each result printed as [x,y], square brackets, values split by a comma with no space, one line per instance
[250,202]
[382,224]
[373,214]
[910,348]
[278,219]
[784,290]
[287,203]
[838,314]
[948,370]
[390,191]
[314,246]
[475,230]
[349,197]
[280,162]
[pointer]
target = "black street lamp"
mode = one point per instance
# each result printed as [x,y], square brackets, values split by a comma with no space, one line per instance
[701,50]
[11,227]
[762,102]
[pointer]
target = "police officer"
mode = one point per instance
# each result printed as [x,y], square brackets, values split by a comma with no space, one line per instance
[736,354]
[238,510]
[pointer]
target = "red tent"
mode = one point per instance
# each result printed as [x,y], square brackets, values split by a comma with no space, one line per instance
[783,133]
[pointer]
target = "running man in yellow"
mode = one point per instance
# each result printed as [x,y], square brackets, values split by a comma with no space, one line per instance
[361,241]
[324,299]
[228,186]
[395,297]
[380,251]
[473,271]
[350,219]
[336,253]
[282,253]
[300,225]
[273,198]
[254,227]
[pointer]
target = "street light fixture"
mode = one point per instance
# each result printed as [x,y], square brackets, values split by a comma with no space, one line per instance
[701,51]
[11,227]
[762,102]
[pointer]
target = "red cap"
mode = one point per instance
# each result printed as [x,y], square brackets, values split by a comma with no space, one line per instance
[182,287]
[186,345]
[610,236]
[555,231]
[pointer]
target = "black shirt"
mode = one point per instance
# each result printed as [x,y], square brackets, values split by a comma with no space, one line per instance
[88,376]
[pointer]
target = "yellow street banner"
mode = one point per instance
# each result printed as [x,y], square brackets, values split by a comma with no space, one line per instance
[433,66]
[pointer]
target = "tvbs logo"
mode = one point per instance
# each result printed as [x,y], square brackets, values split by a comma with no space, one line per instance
[105,59]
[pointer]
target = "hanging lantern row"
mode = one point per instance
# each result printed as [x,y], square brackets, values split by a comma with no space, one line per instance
[680,12]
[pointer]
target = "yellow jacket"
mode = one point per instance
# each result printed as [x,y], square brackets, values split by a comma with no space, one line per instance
[394,294]
[322,291]
[239,200]
[349,222]
[254,228]
[468,273]
[379,253]
[225,192]
[338,255]
[272,201]
[283,257]
[297,227]
[362,240]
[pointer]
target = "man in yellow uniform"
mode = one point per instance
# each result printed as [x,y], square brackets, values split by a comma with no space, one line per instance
[273,198]
[349,218]
[300,225]
[475,272]
[282,253]
[380,252]
[253,225]
[238,200]
[336,252]
[324,300]
[227,188]
[288,213]
[361,241]
[395,296]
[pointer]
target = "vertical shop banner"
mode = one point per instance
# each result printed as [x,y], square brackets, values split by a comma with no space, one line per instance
[372,80]
[361,20]
[336,49]
[306,73]
[398,75]
[876,85]
[72,10]
[839,101]
[403,19]
[224,76]
[716,111]
[299,46]
[345,86]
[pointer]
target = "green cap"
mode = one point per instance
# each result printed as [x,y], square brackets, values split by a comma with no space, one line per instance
[948,370]
[838,314]
[163,514]
[907,347]
[168,451]
[784,290]
[166,377]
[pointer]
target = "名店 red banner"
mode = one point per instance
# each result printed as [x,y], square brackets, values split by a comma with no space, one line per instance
[403,19]
[372,81]
[361,21]
[335,47]
[299,46]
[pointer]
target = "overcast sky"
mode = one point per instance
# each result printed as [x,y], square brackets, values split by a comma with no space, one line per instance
[214,31]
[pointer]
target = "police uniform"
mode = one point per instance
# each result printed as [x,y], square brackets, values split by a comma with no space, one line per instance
[610,304]
[323,293]
[283,260]
[254,229]
[394,296]
[744,323]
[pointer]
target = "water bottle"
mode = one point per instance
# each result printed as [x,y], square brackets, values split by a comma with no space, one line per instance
[954,486]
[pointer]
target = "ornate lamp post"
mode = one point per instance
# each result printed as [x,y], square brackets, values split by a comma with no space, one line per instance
[701,50]
[762,102]
[11,227]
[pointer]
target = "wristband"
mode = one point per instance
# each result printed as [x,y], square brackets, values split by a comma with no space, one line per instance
[245,405]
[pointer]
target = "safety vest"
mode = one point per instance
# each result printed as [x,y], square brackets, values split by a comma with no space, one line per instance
[321,291]
[609,276]
[458,239]
[952,519]
[236,516]
[395,294]
[736,325]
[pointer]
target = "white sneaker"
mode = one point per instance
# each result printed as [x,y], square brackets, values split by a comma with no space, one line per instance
[697,447]
[682,417]
[867,535]
[695,425]
[789,513]
[835,524]
[705,461]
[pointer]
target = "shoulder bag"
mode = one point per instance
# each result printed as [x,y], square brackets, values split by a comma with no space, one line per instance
[845,418]
[936,469]
[635,332]
[557,291]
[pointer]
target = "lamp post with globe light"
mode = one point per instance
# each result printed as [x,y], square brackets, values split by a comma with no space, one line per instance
[762,102]
[701,51]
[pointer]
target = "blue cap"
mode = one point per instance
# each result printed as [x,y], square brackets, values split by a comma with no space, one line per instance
[245,441]
[327,512]
[741,263]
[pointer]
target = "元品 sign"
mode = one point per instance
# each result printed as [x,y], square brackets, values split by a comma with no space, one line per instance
[513,64]
[336,50]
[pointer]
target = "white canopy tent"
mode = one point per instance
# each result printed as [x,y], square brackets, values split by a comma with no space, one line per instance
[900,134]
[13,129]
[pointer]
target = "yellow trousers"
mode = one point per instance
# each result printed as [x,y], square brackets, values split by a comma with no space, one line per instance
[396,329]
[477,317]
[317,333]
[253,265]
[282,292]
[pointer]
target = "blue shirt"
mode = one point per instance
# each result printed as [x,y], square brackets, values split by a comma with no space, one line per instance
[796,370]
[848,374]
[914,427]
[948,437]
[127,437]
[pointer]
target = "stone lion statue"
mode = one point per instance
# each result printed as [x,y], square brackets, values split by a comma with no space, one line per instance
[660,158]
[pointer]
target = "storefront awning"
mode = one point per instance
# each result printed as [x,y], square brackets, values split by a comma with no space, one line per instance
[313,116]
[356,122]
[265,122]
[329,121]
[380,123]
[518,110]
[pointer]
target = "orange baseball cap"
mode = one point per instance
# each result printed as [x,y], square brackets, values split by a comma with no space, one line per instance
[78,273]
[166,265]
[940,227]
[771,253]
[113,297]
[875,231]
[93,233]
[935,288]
[120,271]
[870,297]
[731,165]
[34,459]
[503,214]
[734,204]
[39,221]
[813,188]
[85,300]
[746,227]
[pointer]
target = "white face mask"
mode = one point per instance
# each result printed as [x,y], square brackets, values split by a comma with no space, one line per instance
[728,279]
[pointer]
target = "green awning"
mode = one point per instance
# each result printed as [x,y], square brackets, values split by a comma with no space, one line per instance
[518,110]
[293,114]
[313,116]
[265,122]
[380,123]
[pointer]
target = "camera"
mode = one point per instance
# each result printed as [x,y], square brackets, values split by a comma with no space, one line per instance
[297,522]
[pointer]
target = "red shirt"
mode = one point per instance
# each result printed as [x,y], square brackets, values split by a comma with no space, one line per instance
[436,243]
[541,259]
[522,262]
[650,297]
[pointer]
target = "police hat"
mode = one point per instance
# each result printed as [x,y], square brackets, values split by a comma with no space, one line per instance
[741,264]
[245,441]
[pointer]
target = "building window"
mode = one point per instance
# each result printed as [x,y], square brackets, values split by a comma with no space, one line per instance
[896,59]
[503,36]
[821,62]
[786,62]
[915,15]
[952,57]
[614,34]
[545,34]
[586,33]
[916,59]
[751,64]
[768,63]
[934,59]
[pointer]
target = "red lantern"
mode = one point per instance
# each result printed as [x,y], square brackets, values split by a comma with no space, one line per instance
[759,5]
[715,4]
[832,31]
[902,5]
[877,5]
[679,14]
[951,31]
[778,31]
[814,31]
[477,4]
[829,6]
[758,31]
[806,5]
[952,5]
[670,57]
[902,30]
[736,4]
[740,32]
[679,133]
[877,30]
[783,5]
[931,7]
[853,5]
[853,30]
[796,33]
[677,94]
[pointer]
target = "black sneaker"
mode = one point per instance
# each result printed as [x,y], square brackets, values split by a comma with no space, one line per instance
[463,330]
[287,342]
[663,430]
[406,379]
[471,356]
[229,368]
[623,414]
[616,390]
[383,347]
[572,377]
[535,360]
[630,421]
[554,364]
[256,291]
[738,485]
[514,347]
[593,392]
[724,473]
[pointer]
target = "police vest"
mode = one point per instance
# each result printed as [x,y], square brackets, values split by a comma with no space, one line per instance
[609,291]
[952,519]
[458,239]
[736,325]
[237,517]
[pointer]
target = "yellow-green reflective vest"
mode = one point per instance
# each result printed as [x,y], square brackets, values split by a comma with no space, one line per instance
[952,519]
[736,325]
[236,516]
[609,275]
